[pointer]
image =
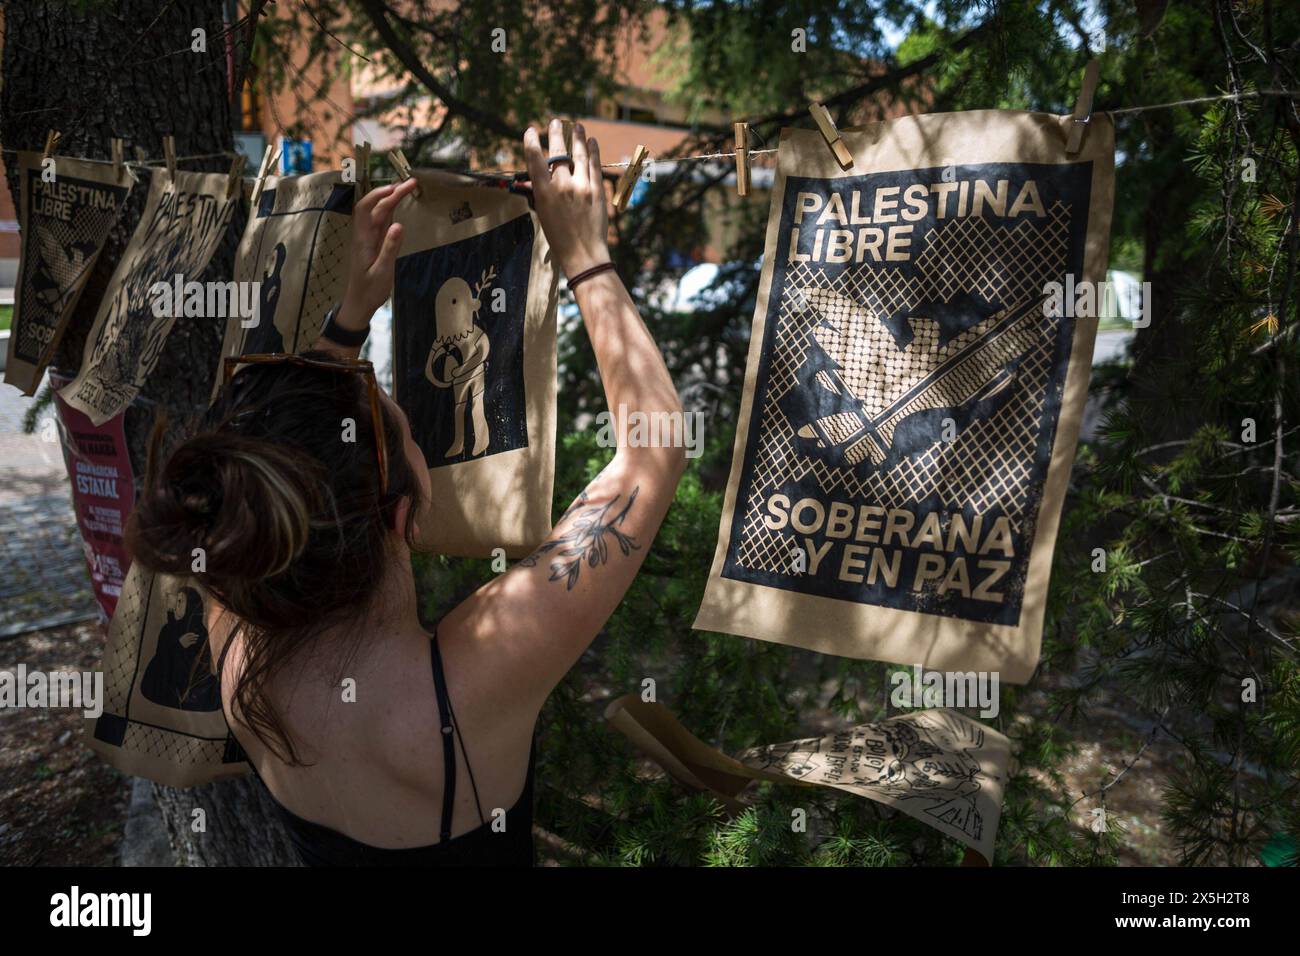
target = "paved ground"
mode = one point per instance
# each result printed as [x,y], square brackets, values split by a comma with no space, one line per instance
[43,576]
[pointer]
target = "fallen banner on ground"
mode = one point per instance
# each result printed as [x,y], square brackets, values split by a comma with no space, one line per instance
[937,766]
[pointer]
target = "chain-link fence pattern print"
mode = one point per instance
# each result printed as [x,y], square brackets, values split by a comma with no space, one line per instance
[988,463]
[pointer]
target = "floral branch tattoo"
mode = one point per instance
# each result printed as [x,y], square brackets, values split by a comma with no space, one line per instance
[586,539]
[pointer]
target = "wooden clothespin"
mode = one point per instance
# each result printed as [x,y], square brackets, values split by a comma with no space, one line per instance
[822,117]
[623,191]
[1083,107]
[742,158]
[169,154]
[236,179]
[51,144]
[263,170]
[401,165]
[361,155]
[567,126]
[116,150]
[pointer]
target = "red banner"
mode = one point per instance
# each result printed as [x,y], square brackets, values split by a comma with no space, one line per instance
[103,493]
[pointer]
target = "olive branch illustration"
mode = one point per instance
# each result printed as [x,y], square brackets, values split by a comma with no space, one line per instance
[586,540]
[485,280]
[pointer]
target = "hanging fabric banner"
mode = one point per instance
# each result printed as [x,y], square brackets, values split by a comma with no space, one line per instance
[916,377]
[156,282]
[474,309]
[162,716]
[66,210]
[937,766]
[295,253]
[103,494]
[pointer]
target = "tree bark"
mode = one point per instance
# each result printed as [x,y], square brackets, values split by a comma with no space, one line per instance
[238,825]
[128,69]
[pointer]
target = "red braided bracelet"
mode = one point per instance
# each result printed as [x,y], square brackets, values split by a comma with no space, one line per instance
[588,273]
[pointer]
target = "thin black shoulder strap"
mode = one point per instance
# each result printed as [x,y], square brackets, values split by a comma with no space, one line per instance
[448,742]
[448,724]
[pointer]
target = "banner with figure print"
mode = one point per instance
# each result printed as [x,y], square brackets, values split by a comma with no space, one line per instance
[294,252]
[162,716]
[914,390]
[474,363]
[66,210]
[937,766]
[183,223]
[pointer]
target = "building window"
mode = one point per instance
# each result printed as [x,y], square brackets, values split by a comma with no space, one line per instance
[636,114]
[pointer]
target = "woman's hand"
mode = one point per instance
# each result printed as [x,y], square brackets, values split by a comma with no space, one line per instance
[375,241]
[570,204]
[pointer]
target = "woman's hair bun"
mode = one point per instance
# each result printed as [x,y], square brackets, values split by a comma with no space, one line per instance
[246,502]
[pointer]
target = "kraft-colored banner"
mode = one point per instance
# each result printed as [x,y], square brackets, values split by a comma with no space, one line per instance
[162,716]
[183,223]
[916,378]
[937,766]
[474,308]
[295,250]
[66,211]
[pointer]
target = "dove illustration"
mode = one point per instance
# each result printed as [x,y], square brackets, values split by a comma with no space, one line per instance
[858,383]
[58,269]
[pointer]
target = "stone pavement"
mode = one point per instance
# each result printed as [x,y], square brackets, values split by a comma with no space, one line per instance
[44,580]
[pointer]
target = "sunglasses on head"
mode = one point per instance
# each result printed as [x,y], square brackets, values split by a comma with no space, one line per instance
[364,368]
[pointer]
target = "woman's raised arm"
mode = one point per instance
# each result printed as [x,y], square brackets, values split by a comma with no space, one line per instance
[533,622]
[375,242]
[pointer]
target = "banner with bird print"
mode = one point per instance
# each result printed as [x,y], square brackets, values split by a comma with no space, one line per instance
[474,306]
[184,221]
[67,207]
[294,253]
[914,390]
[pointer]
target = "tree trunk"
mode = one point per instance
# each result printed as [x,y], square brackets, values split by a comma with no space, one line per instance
[127,69]
[238,825]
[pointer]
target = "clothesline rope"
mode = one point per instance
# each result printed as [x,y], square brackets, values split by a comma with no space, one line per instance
[700,157]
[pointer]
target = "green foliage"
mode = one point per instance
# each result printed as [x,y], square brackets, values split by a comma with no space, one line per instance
[1200,528]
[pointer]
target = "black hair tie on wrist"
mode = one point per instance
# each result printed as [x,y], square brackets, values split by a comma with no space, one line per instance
[341,336]
[588,273]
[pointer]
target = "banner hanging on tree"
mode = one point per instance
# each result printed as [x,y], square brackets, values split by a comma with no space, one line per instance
[162,716]
[156,282]
[103,494]
[474,363]
[916,378]
[295,252]
[937,766]
[66,211]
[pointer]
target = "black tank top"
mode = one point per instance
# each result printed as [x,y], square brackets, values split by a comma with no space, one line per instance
[319,845]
